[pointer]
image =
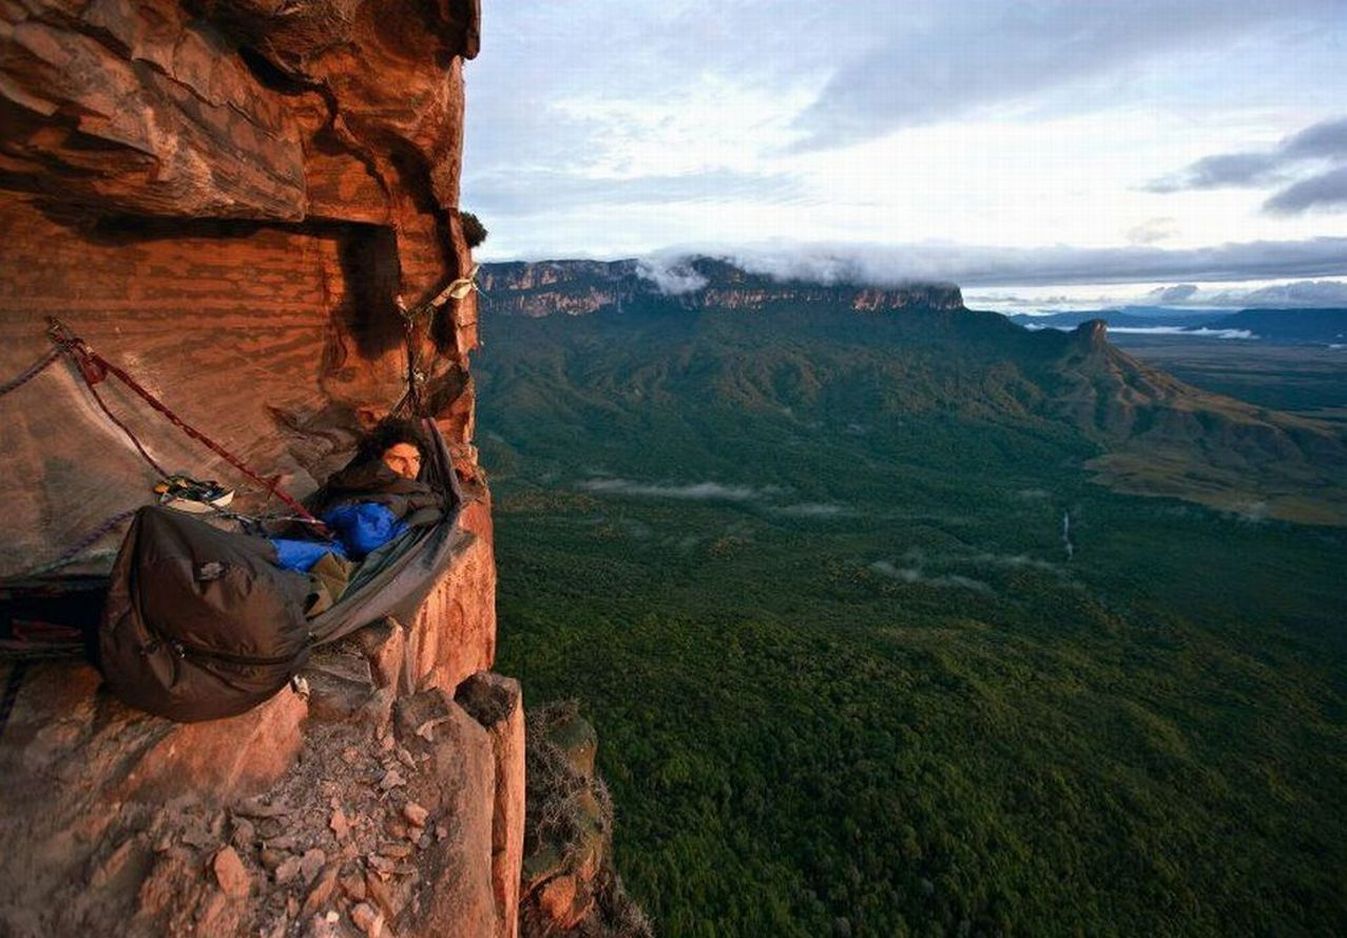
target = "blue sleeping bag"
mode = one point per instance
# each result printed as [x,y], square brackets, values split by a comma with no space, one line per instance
[361,528]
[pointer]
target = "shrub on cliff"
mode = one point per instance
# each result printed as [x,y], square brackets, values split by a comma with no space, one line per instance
[569,883]
[474,232]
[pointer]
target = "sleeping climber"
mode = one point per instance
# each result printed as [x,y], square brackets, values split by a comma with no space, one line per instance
[372,502]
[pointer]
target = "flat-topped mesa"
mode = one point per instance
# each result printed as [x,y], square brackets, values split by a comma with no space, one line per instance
[579,287]
[1091,335]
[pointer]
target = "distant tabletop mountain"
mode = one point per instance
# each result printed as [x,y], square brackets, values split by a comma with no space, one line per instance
[1326,326]
[737,343]
[1139,317]
[1292,326]
[577,288]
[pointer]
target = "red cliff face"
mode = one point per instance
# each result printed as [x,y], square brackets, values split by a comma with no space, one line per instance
[226,202]
[227,198]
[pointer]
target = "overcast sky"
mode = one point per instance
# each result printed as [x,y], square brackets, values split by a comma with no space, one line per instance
[992,142]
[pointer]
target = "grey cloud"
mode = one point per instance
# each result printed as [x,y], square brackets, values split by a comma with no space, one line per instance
[1001,298]
[1304,293]
[1298,293]
[946,61]
[985,266]
[1222,171]
[1175,294]
[1324,140]
[519,193]
[1325,191]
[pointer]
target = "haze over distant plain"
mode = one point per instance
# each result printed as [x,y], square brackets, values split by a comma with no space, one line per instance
[1000,145]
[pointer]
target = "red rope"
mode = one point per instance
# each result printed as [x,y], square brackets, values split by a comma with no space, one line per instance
[94,367]
[163,473]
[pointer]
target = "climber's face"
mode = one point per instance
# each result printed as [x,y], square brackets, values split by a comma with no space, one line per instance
[404,459]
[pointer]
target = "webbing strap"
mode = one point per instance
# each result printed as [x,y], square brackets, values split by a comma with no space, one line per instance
[456,290]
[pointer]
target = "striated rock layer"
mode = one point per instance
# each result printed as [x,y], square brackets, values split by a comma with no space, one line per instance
[234,200]
[225,198]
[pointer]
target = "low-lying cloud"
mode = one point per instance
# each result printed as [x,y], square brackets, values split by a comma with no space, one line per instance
[1303,293]
[916,576]
[1295,294]
[1178,293]
[696,491]
[815,510]
[1197,331]
[991,266]
[710,491]
[1200,331]
[670,278]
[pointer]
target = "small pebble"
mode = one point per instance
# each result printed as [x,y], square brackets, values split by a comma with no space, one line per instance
[230,873]
[312,863]
[287,871]
[341,828]
[353,884]
[367,920]
[245,834]
[380,863]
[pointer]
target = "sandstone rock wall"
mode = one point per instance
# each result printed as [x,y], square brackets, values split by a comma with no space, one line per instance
[226,198]
[341,812]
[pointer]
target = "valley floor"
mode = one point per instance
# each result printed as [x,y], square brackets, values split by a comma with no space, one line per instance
[922,676]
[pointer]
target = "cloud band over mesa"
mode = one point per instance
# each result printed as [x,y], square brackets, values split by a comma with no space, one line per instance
[987,266]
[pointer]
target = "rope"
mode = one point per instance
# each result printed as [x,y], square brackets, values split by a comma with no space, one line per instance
[93,367]
[102,405]
[30,373]
[85,542]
